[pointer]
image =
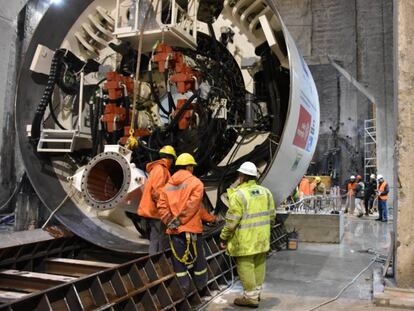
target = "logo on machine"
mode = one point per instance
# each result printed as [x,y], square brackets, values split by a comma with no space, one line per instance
[303,129]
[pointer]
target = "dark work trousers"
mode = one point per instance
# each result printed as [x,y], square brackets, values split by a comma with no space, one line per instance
[369,202]
[199,266]
[158,238]
[382,210]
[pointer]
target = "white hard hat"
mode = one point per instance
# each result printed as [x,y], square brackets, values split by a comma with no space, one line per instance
[248,168]
[352,177]
[373,176]
[379,176]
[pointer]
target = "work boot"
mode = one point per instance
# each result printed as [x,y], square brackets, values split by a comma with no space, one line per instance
[246,302]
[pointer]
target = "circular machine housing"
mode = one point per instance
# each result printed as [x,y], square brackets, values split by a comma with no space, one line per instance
[246,31]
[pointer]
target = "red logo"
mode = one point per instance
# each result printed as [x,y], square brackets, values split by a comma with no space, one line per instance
[303,128]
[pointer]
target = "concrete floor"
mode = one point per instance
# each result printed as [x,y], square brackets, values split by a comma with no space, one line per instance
[302,279]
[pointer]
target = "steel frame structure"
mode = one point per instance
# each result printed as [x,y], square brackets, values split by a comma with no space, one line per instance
[146,283]
[370,148]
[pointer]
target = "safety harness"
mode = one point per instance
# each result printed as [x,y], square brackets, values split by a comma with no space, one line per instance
[190,239]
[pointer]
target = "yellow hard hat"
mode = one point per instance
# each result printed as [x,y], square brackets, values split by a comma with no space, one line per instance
[185,159]
[168,150]
[318,179]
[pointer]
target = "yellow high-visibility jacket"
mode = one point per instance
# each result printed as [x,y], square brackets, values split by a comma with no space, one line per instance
[249,220]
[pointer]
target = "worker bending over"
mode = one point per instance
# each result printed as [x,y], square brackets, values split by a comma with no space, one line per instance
[246,234]
[318,187]
[158,175]
[180,209]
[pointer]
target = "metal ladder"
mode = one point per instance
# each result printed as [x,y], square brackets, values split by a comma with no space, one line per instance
[52,140]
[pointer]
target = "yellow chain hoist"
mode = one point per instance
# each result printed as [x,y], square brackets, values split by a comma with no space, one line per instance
[132,142]
[187,253]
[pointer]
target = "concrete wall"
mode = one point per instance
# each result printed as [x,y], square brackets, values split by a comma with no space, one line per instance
[8,72]
[358,35]
[405,98]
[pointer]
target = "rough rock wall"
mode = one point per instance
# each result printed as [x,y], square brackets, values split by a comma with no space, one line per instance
[9,48]
[357,35]
[405,78]
[18,21]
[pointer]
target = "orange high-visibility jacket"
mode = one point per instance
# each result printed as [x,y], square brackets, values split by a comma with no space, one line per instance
[182,197]
[158,176]
[351,188]
[381,188]
[304,186]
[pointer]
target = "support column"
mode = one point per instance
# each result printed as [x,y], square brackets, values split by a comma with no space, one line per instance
[404,77]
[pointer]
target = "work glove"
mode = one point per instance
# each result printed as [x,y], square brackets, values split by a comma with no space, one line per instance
[174,224]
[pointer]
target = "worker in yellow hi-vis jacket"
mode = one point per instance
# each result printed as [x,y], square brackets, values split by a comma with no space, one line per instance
[246,234]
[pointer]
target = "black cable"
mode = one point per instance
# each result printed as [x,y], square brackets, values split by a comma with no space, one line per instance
[47,94]
[54,117]
[171,104]
[214,40]
[154,93]
[180,112]
[127,103]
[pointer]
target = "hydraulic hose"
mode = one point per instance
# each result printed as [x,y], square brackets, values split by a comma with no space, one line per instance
[180,112]
[47,95]
[171,105]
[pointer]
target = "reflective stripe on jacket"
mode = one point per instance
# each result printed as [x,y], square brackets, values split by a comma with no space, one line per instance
[158,176]
[383,188]
[182,197]
[248,220]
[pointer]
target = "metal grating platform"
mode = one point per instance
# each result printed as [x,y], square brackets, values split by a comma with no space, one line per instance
[146,283]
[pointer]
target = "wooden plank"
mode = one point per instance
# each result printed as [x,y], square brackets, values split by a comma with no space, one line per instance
[392,290]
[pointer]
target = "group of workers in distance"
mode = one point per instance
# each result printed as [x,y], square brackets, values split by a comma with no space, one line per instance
[173,207]
[360,195]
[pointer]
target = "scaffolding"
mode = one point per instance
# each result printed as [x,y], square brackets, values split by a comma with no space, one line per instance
[370,148]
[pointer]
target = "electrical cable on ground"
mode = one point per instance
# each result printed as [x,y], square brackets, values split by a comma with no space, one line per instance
[56,209]
[346,286]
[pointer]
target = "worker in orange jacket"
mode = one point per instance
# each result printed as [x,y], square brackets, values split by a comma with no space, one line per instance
[304,188]
[159,174]
[350,195]
[180,209]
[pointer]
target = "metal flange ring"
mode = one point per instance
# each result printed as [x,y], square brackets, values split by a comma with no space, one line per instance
[106,180]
